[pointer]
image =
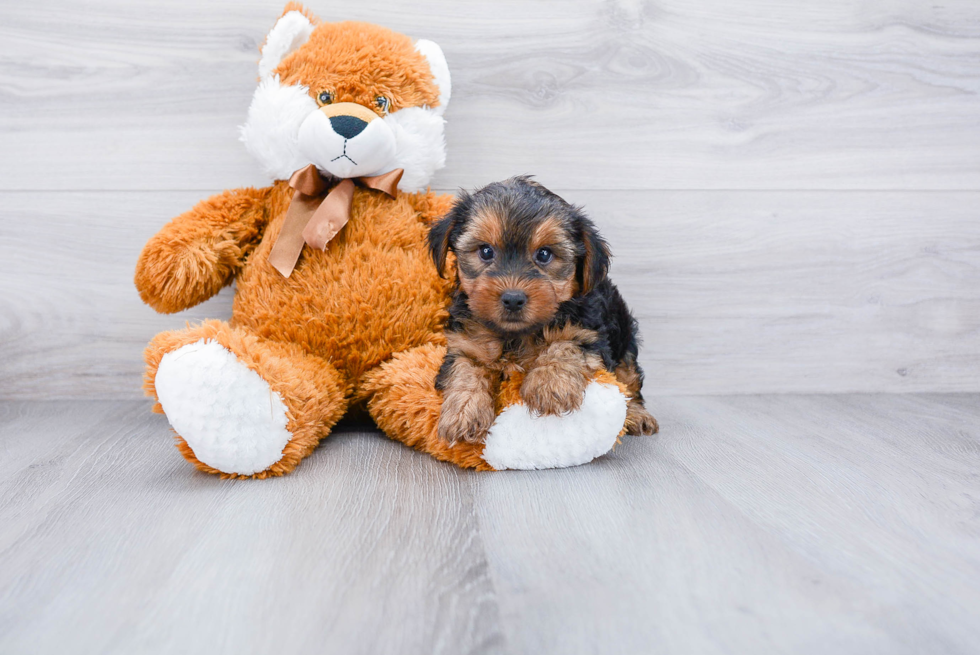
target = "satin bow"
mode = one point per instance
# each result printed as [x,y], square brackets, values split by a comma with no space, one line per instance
[314,218]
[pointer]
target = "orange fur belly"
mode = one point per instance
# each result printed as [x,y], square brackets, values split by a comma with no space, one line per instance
[355,304]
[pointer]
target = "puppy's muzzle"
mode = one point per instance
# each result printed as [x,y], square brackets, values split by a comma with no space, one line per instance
[513,300]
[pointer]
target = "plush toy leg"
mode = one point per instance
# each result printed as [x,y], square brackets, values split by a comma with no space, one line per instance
[403,401]
[522,440]
[242,406]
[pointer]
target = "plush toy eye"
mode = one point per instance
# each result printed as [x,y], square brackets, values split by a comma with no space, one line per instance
[325,98]
[544,256]
[383,103]
[486,253]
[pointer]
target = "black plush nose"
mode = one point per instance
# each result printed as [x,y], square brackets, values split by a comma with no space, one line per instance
[513,300]
[347,126]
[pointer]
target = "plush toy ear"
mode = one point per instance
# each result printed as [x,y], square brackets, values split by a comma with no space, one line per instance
[290,32]
[594,264]
[440,71]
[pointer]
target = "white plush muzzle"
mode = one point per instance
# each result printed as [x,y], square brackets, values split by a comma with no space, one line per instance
[519,439]
[286,131]
[368,152]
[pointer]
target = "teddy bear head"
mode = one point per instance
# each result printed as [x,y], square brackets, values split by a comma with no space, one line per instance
[354,99]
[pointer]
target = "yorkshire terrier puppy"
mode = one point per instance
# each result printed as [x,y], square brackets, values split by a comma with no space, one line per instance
[531,298]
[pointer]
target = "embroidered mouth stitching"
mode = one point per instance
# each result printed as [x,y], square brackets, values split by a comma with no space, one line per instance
[344,155]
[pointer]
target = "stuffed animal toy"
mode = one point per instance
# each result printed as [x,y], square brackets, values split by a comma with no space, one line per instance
[338,306]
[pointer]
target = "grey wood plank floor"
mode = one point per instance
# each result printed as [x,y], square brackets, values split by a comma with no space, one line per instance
[752,524]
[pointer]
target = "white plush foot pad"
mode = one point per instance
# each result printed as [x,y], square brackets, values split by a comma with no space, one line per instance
[520,440]
[225,411]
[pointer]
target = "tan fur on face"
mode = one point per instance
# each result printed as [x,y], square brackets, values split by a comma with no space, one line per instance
[484,301]
[484,297]
[551,232]
[542,301]
[486,226]
[565,290]
[467,405]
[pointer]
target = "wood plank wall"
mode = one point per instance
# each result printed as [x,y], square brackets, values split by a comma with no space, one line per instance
[792,190]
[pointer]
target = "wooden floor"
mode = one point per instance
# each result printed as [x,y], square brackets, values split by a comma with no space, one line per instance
[752,524]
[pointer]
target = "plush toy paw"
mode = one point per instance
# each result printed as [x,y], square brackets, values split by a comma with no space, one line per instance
[406,405]
[519,439]
[552,390]
[465,417]
[228,415]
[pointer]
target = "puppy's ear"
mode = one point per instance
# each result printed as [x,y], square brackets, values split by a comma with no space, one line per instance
[439,242]
[594,264]
[442,236]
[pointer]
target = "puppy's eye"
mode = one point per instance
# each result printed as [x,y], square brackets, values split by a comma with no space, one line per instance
[544,256]
[486,253]
[383,103]
[324,98]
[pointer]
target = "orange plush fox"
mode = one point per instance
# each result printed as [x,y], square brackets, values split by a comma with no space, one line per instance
[337,304]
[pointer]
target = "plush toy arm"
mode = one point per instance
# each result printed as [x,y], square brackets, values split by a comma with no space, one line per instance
[201,251]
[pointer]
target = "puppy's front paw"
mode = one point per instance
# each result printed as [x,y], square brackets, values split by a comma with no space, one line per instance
[639,421]
[465,417]
[551,390]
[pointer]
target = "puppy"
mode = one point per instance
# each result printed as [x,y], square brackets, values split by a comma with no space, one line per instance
[531,298]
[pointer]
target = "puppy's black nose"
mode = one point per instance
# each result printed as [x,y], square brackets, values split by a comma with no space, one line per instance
[513,301]
[347,126]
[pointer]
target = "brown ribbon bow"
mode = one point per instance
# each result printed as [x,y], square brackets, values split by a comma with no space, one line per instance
[314,218]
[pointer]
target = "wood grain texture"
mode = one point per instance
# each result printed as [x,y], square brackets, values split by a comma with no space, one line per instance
[110,543]
[751,524]
[728,153]
[799,291]
[736,292]
[765,94]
